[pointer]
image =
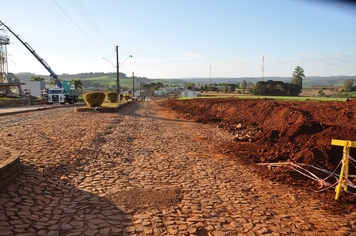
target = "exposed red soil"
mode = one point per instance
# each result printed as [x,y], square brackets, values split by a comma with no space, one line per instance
[269,131]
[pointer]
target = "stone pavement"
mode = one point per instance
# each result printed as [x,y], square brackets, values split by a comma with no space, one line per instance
[139,173]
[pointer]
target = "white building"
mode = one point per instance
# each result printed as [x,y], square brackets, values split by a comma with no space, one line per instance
[161,92]
[190,93]
[34,88]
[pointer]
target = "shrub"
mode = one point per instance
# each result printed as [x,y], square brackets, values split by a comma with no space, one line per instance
[111,96]
[127,96]
[321,93]
[94,99]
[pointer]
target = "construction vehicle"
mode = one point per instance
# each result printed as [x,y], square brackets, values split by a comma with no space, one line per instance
[59,94]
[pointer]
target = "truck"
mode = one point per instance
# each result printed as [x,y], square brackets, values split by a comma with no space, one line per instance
[60,94]
[63,92]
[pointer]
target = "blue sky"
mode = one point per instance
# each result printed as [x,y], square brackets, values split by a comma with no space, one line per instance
[184,38]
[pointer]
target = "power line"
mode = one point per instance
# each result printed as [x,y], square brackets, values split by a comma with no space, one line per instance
[107,39]
[80,28]
[91,22]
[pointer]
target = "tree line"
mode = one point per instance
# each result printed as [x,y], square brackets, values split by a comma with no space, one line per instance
[275,88]
[87,83]
[269,87]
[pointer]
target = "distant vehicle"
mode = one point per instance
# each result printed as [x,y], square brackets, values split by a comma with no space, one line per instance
[147,99]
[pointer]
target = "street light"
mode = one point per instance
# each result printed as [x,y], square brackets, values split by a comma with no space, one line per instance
[125,60]
[118,73]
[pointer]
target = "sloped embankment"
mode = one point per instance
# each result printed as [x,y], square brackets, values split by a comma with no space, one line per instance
[277,131]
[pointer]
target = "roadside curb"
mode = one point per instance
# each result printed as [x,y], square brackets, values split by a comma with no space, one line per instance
[10,166]
[101,109]
[22,109]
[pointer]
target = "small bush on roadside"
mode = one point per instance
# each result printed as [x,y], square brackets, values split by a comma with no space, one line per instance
[111,96]
[127,96]
[94,99]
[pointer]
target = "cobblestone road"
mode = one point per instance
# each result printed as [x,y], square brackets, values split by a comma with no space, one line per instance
[137,172]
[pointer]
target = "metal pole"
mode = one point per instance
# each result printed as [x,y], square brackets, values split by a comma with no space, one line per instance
[117,73]
[140,83]
[133,84]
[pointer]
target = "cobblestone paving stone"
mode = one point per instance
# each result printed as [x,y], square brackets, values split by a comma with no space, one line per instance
[139,173]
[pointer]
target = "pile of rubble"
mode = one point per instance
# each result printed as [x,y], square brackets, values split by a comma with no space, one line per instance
[241,133]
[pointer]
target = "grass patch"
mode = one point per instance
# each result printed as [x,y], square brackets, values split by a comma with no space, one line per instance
[284,98]
[7,99]
[353,93]
[105,79]
[106,107]
[299,98]
[114,105]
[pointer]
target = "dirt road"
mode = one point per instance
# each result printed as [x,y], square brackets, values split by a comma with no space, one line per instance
[142,171]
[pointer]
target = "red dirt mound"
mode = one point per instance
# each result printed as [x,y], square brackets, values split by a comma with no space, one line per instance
[278,131]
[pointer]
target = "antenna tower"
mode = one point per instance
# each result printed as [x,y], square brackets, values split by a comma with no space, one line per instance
[4,40]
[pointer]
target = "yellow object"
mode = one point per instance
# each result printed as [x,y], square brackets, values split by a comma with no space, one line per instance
[344,174]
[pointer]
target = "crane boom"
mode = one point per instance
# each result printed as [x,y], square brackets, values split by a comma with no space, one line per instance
[43,62]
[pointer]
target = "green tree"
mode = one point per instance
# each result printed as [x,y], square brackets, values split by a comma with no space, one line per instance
[348,85]
[157,86]
[153,86]
[77,84]
[297,79]
[244,84]
[232,88]
[38,78]
[260,88]
[53,81]
[190,85]
[321,93]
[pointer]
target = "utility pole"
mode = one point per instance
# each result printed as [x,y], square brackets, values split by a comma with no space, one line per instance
[263,68]
[133,84]
[140,83]
[117,73]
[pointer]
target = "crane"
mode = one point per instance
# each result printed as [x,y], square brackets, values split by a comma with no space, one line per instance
[57,94]
[42,61]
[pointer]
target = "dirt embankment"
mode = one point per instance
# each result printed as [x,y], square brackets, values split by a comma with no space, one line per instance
[277,131]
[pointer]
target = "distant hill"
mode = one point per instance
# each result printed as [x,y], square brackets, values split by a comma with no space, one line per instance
[110,79]
[307,81]
[25,76]
[102,78]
